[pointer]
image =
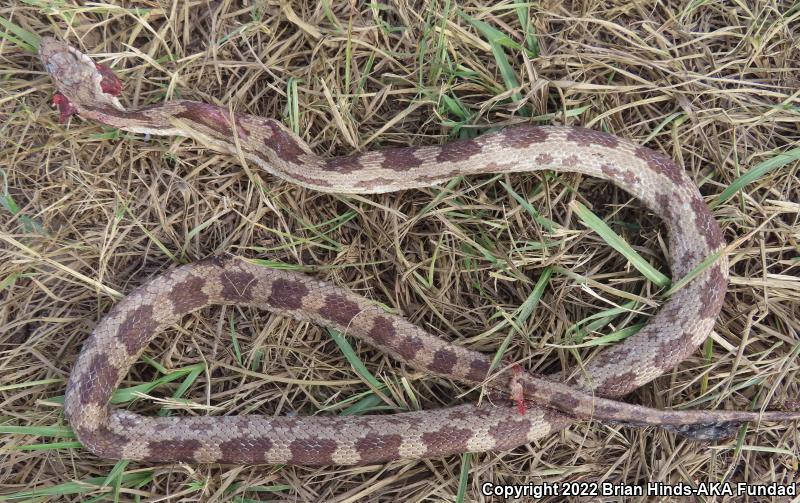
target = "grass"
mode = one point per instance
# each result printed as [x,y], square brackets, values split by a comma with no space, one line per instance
[514,266]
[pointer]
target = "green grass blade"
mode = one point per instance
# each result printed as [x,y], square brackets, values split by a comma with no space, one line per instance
[463,477]
[531,42]
[490,33]
[237,351]
[79,487]
[757,172]
[702,266]
[522,314]
[19,36]
[39,431]
[613,239]
[50,446]
[497,41]
[351,356]
[548,224]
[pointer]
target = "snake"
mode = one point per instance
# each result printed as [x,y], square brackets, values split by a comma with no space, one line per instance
[545,404]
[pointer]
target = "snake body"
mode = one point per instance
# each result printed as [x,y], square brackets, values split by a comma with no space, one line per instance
[121,336]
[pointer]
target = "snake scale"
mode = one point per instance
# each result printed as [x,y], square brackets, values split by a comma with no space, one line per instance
[682,323]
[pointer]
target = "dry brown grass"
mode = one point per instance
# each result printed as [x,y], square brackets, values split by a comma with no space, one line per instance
[713,85]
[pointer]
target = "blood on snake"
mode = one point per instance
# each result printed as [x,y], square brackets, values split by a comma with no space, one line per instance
[683,322]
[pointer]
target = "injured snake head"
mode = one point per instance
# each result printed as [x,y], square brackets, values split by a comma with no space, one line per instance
[83,84]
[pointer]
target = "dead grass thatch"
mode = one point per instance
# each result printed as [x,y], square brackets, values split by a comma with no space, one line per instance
[90,213]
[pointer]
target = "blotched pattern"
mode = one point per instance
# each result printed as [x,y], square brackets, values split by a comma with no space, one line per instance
[122,335]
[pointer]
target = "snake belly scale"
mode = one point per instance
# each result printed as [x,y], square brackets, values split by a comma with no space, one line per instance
[670,336]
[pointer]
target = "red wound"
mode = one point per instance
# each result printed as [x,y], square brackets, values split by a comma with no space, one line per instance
[110,83]
[517,395]
[65,108]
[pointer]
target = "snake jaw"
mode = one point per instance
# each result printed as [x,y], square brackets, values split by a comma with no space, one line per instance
[65,108]
[83,84]
[109,83]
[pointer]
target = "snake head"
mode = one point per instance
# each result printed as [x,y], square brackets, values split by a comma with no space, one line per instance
[82,84]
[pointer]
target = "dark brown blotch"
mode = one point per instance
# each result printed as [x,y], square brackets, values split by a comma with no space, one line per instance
[400,159]
[339,309]
[620,385]
[670,313]
[343,164]
[375,448]
[443,361]
[662,164]
[665,207]
[136,329]
[510,433]
[211,116]
[127,421]
[688,259]
[668,212]
[606,410]
[712,293]
[97,381]
[174,450]
[447,440]
[312,451]
[285,145]
[674,349]
[287,294]
[612,357]
[458,150]
[409,347]
[102,442]
[554,418]
[479,369]
[706,225]
[238,286]
[382,331]
[244,450]
[586,137]
[188,294]
[564,401]
[523,136]
[685,263]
